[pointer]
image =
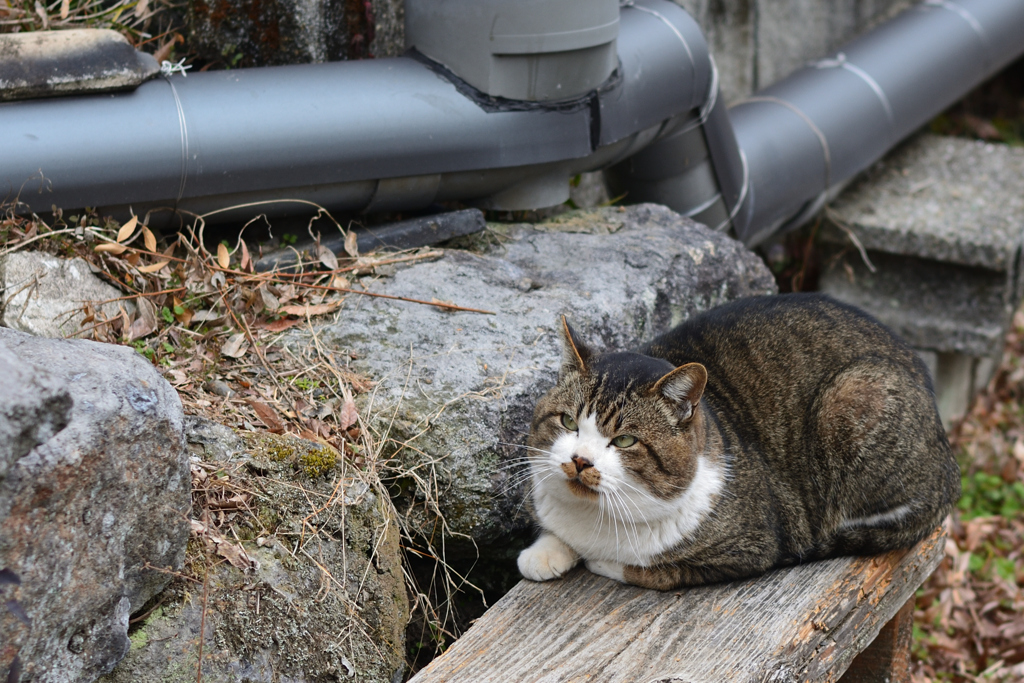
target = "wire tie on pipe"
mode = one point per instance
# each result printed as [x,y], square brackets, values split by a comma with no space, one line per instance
[971,21]
[664,19]
[709,102]
[743,195]
[840,62]
[705,205]
[167,69]
[810,124]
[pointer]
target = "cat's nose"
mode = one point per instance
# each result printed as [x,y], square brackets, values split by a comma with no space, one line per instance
[581,463]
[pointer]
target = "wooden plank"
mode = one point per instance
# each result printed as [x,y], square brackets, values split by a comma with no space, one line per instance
[887,658]
[803,623]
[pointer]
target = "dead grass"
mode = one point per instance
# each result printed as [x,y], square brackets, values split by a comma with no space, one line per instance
[147,24]
[213,326]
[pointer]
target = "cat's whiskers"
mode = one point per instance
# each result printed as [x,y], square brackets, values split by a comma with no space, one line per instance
[613,518]
[601,511]
[644,497]
[524,461]
[524,472]
[627,523]
[526,446]
[512,464]
[532,467]
[525,498]
[514,482]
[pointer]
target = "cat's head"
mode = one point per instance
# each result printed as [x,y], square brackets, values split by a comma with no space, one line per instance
[617,424]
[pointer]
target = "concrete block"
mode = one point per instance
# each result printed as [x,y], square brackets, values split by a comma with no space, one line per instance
[935,306]
[957,378]
[731,30]
[791,33]
[943,199]
[954,383]
[942,222]
[758,42]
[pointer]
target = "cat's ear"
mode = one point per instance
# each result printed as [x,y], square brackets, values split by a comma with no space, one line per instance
[575,354]
[684,386]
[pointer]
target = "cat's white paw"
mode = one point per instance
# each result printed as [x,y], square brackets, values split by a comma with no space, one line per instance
[613,570]
[548,558]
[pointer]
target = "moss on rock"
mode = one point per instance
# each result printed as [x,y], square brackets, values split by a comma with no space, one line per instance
[327,601]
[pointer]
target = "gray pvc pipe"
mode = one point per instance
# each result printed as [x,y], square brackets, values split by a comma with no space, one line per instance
[370,135]
[394,134]
[805,136]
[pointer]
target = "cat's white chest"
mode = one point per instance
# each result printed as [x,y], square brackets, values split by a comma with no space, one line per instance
[626,524]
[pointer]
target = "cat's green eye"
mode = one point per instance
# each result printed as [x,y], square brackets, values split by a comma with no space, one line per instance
[569,423]
[624,440]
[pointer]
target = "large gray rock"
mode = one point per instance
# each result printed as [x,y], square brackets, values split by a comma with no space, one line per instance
[324,599]
[36,405]
[94,496]
[43,295]
[455,390]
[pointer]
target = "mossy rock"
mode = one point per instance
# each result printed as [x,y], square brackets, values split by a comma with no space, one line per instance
[327,601]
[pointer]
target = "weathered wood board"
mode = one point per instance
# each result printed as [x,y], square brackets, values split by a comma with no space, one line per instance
[803,623]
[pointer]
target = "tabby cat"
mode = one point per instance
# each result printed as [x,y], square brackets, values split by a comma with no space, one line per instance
[766,432]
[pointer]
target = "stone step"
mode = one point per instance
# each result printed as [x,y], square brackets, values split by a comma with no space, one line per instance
[941,224]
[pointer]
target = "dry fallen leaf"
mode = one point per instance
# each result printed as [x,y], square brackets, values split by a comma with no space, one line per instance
[223,258]
[127,229]
[245,256]
[185,317]
[41,11]
[280,325]
[270,302]
[110,248]
[235,502]
[312,309]
[149,238]
[235,346]
[443,304]
[164,51]
[232,552]
[351,244]
[236,554]
[146,322]
[65,8]
[267,415]
[153,267]
[327,257]
[348,415]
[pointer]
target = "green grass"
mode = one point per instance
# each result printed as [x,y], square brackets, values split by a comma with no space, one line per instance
[986,494]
